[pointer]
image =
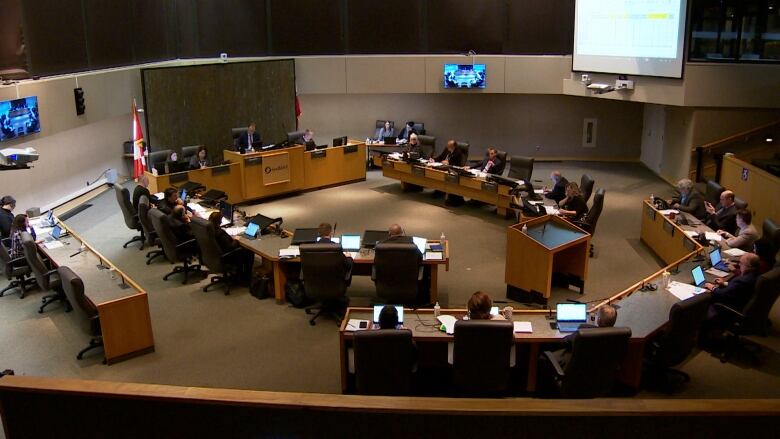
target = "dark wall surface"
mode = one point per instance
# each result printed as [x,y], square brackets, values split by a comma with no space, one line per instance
[194,105]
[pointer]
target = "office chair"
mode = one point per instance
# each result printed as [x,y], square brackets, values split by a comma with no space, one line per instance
[481,356]
[464,147]
[586,186]
[771,232]
[188,151]
[158,157]
[592,368]
[503,168]
[16,270]
[235,133]
[383,362]
[740,203]
[146,224]
[175,252]
[396,272]
[212,256]
[326,274]
[84,308]
[45,277]
[712,192]
[129,214]
[419,128]
[381,124]
[521,168]
[294,137]
[753,319]
[427,144]
[675,343]
[589,221]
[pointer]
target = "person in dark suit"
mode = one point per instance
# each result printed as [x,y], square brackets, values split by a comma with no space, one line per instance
[396,234]
[324,233]
[170,201]
[200,159]
[249,138]
[7,205]
[558,191]
[407,131]
[606,316]
[413,146]
[574,205]
[242,258]
[492,163]
[452,155]
[141,189]
[690,200]
[180,224]
[737,292]
[724,215]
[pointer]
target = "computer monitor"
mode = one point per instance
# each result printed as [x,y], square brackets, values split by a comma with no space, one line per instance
[226,209]
[378,310]
[372,237]
[420,243]
[339,141]
[571,312]
[389,140]
[350,242]
[698,276]
[305,236]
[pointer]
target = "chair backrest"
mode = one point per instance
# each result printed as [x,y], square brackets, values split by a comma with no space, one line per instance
[5,259]
[419,128]
[396,271]
[586,186]
[83,307]
[596,356]
[521,168]
[383,362]
[146,223]
[481,355]
[771,232]
[128,211]
[592,217]
[464,147]
[740,203]
[210,252]
[381,124]
[324,270]
[164,232]
[161,156]
[428,145]
[294,137]
[189,151]
[765,294]
[35,262]
[712,192]
[503,168]
[679,336]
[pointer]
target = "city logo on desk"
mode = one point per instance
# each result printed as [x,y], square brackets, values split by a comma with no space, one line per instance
[269,169]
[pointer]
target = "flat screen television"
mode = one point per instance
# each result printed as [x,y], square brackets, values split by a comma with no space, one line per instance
[464,76]
[19,117]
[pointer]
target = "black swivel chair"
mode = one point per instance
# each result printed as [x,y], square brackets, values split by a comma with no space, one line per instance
[586,186]
[326,274]
[419,128]
[188,151]
[397,271]
[16,270]
[740,203]
[146,224]
[212,256]
[184,252]
[481,356]
[129,214]
[235,133]
[521,168]
[46,278]
[712,192]
[589,221]
[381,124]
[591,369]
[427,144]
[159,157]
[383,362]
[675,343]
[753,319]
[295,137]
[771,232]
[464,147]
[84,308]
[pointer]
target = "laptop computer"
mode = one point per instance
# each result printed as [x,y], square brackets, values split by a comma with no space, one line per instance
[55,233]
[698,276]
[420,243]
[304,236]
[226,209]
[372,237]
[570,316]
[389,140]
[350,243]
[717,260]
[399,308]
[251,230]
[183,195]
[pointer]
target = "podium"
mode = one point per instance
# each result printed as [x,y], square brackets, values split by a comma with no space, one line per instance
[550,246]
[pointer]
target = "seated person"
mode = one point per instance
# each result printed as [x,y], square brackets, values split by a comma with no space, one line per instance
[492,163]
[451,155]
[180,224]
[248,138]
[141,189]
[170,200]
[200,159]
[479,307]
[558,191]
[308,139]
[747,232]
[690,200]
[241,257]
[724,215]
[7,205]
[324,233]
[606,316]
[764,249]
[19,225]
[413,145]
[388,318]
[737,292]
[396,234]
[407,131]
[385,131]
[573,206]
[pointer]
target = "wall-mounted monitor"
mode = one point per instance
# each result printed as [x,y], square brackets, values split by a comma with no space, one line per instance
[19,117]
[630,37]
[464,76]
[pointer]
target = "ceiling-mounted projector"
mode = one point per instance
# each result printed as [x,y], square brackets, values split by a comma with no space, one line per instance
[17,158]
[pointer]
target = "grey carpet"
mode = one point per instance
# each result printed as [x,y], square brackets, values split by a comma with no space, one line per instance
[236,341]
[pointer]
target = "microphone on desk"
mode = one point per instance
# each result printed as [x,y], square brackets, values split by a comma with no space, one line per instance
[81,250]
[544,227]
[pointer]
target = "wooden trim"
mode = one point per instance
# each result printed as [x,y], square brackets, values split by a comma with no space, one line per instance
[734,137]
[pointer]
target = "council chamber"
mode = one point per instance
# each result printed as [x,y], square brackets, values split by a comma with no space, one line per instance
[333,218]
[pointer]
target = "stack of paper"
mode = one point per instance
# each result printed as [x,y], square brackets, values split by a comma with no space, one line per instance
[291,251]
[434,256]
[666,212]
[717,273]
[53,244]
[233,231]
[551,210]
[448,322]
[684,291]
[538,191]
[712,236]
[733,252]
[692,233]
[354,325]
[523,327]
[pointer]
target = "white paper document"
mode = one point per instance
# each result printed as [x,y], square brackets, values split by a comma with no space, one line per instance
[684,291]
[733,252]
[523,327]
[538,191]
[535,202]
[448,322]
[717,273]
[53,244]
[551,210]
[712,236]
[160,195]
[290,252]
[666,212]
[692,233]
[434,256]
[354,325]
[234,231]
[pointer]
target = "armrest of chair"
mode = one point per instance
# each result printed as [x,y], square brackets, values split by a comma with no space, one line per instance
[49,273]
[189,241]
[554,361]
[17,260]
[420,272]
[373,272]
[348,274]
[224,255]
[728,310]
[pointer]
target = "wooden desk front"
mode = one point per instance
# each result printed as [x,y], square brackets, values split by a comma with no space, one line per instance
[226,178]
[334,165]
[665,237]
[252,170]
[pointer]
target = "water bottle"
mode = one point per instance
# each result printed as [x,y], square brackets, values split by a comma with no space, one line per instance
[443,240]
[436,310]
[525,229]
[652,198]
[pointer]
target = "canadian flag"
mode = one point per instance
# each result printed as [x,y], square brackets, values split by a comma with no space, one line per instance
[139,159]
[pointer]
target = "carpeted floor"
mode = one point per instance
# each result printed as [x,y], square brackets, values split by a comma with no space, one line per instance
[236,341]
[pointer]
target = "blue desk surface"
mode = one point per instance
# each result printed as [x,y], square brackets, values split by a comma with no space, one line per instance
[551,234]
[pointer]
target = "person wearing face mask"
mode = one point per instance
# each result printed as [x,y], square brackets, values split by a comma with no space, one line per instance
[558,191]
[746,235]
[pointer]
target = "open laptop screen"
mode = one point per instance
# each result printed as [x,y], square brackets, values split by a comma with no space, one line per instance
[715,257]
[350,242]
[56,232]
[698,275]
[572,312]
[378,310]
[252,229]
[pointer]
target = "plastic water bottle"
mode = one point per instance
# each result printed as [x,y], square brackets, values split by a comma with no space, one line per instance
[525,229]
[652,198]
[436,310]
[443,240]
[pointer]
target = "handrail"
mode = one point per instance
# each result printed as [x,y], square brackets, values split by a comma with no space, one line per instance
[734,137]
